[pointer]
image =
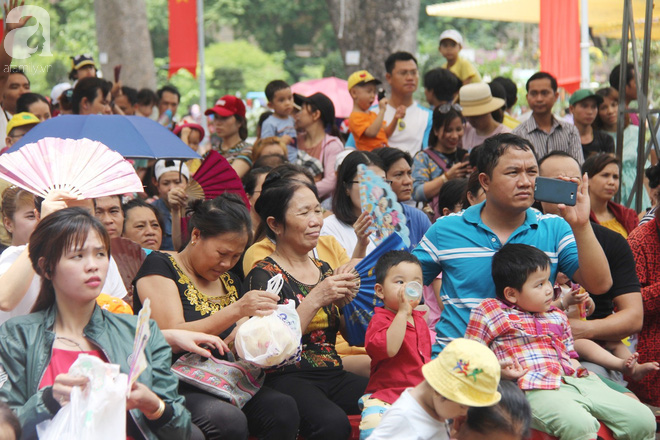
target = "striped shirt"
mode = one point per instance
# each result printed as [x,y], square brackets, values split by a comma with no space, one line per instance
[461,246]
[563,136]
[540,342]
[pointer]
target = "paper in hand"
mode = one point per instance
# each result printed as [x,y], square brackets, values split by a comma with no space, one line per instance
[142,334]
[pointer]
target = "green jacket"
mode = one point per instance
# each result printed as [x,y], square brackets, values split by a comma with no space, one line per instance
[26,345]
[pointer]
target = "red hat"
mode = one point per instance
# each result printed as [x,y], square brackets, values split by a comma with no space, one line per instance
[184,124]
[226,106]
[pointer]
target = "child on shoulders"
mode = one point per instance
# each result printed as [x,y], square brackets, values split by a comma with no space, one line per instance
[450,44]
[464,375]
[367,126]
[524,329]
[281,123]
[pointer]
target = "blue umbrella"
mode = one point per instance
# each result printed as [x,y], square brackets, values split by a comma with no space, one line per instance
[358,312]
[134,137]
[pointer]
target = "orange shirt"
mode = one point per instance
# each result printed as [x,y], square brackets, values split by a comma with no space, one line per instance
[358,123]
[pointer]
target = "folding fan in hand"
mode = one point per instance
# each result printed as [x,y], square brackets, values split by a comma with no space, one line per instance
[215,176]
[378,199]
[84,168]
[129,257]
[358,312]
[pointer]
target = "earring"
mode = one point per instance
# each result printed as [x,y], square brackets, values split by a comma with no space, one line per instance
[193,243]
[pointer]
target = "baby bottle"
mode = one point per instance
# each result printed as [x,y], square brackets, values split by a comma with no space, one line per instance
[413,291]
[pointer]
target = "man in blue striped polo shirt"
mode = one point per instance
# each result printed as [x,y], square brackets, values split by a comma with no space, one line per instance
[461,246]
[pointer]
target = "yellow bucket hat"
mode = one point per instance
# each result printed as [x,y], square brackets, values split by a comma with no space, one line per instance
[465,372]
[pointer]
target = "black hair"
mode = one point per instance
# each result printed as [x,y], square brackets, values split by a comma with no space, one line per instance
[131,94]
[473,186]
[497,91]
[390,259]
[20,71]
[243,129]
[615,75]
[510,88]
[610,93]
[24,102]
[442,120]
[514,263]
[390,156]
[291,170]
[119,197]
[342,205]
[87,88]
[653,174]
[391,60]
[146,96]
[223,214]
[276,195]
[555,153]
[443,83]
[512,415]
[543,75]
[262,117]
[8,417]
[168,88]
[451,194]
[494,147]
[139,203]
[250,179]
[274,87]
[53,237]
[597,162]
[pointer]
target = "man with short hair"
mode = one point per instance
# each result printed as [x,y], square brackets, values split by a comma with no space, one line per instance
[168,99]
[624,295]
[462,246]
[109,212]
[17,84]
[630,92]
[545,131]
[412,131]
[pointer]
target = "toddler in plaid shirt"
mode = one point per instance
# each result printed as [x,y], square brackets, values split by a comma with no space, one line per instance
[526,332]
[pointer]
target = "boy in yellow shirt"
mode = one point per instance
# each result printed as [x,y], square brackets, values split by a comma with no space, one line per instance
[451,43]
[368,127]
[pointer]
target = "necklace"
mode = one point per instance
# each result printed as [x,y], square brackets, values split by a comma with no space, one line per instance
[69,342]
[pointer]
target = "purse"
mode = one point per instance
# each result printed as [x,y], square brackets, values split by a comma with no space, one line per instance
[234,381]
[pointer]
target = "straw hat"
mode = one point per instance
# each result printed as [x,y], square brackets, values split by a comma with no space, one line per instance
[465,372]
[477,100]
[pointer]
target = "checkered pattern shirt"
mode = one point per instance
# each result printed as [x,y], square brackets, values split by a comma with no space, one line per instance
[540,342]
[563,136]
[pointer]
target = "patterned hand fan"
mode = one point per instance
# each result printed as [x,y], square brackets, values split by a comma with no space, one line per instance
[378,199]
[215,176]
[129,257]
[86,169]
[358,312]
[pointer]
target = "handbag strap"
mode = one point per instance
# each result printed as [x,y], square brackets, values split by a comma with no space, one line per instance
[435,157]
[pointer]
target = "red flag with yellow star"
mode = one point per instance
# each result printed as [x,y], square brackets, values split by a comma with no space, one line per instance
[183,36]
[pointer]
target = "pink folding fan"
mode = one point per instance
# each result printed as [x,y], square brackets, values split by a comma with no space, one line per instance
[84,168]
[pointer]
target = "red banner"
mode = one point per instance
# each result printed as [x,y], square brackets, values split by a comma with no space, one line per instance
[183,36]
[559,38]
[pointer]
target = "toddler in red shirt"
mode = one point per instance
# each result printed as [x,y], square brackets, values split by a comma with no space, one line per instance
[397,339]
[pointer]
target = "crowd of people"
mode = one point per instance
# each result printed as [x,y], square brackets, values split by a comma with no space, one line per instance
[533,314]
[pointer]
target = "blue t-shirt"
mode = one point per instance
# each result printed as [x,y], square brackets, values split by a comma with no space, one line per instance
[462,246]
[274,126]
[167,244]
[417,222]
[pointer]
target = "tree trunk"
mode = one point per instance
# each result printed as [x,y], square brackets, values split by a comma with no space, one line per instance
[376,29]
[123,34]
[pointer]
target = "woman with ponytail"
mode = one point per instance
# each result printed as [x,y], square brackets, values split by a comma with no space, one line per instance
[194,290]
[316,118]
[70,250]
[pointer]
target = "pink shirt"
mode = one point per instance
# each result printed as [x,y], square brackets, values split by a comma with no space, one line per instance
[471,139]
[390,376]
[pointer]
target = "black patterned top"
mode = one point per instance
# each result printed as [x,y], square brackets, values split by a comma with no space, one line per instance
[195,304]
[318,340]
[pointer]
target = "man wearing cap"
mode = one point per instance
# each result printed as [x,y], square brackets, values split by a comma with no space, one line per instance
[367,126]
[17,127]
[450,44]
[170,177]
[82,66]
[546,132]
[478,104]
[584,108]
[412,130]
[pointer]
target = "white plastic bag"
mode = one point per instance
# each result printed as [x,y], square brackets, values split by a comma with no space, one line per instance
[271,341]
[98,412]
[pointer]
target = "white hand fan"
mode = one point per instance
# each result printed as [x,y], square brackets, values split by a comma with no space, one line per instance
[85,168]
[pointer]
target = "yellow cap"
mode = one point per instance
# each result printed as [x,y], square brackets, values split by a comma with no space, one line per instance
[465,372]
[21,119]
[361,77]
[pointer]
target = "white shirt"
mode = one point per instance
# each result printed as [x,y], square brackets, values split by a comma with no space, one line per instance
[114,286]
[414,134]
[407,420]
[345,234]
